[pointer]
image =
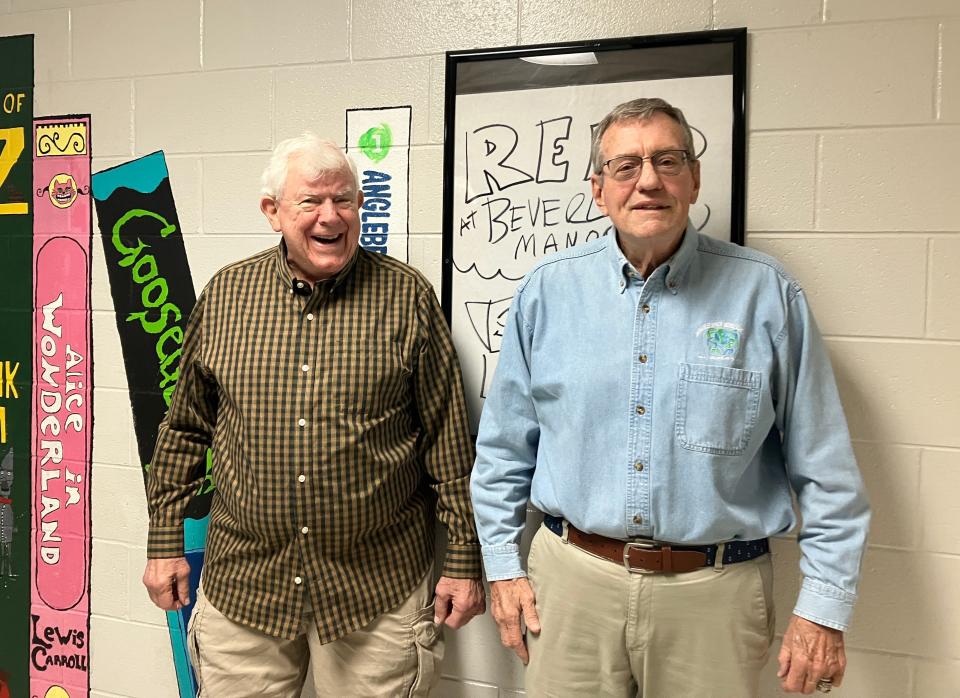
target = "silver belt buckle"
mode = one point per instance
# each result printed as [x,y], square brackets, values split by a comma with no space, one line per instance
[639,545]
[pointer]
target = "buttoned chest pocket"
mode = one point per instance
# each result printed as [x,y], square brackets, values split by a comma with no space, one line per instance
[717,408]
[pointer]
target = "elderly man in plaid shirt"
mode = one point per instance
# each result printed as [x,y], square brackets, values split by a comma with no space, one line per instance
[324,379]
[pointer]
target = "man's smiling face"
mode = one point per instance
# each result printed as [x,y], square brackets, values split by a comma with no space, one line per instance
[653,208]
[319,220]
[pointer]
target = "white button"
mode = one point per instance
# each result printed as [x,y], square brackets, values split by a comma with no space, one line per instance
[301,422]
[301,478]
[298,581]
[304,530]
[309,316]
[304,368]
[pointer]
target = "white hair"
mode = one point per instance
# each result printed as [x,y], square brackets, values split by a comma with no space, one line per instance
[318,156]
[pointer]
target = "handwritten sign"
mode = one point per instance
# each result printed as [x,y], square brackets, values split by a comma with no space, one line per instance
[521,191]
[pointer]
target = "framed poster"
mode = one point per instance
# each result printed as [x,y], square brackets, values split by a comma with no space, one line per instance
[517,132]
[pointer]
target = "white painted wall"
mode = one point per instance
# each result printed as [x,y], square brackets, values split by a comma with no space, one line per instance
[854,140]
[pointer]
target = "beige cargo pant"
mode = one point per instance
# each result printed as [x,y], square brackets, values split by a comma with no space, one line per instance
[398,654]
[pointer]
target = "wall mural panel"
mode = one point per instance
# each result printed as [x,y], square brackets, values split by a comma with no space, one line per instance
[152,296]
[63,409]
[16,302]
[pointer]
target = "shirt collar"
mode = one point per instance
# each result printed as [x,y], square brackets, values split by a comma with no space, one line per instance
[286,277]
[675,267]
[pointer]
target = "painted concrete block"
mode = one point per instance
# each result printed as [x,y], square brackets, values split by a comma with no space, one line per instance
[234,36]
[385,29]
[109,102]
[231,188]
[847,281]
[193,113]
[544,21]
[426,189]
[108,579]
[450,687]
[51,43]
[119,505]
[111,40]
[892,478]
[936,678]
[868,83]
[781,181]
[108,371]
[899,392]
[863,10]
[185,177]
[112,426]
[868,674]
[426,256]
[758,14]
[865,184]
[939,485]
[943,320]
[131,659]
[315,98]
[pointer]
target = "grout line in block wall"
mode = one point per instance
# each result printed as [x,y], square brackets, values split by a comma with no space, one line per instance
[519,20]
[133,117]
[202,12]
[938,86]
[905,444]
[350,32]
[817,178]
[928,288]
[823,11]
[851,235]
[70,42]
[713,14]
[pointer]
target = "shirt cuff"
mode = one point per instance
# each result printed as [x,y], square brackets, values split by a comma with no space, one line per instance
[165,541]
[462,562]
[502,562]
[825,604]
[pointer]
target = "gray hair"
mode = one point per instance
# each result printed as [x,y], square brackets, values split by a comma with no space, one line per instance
[635,110]
[320,157]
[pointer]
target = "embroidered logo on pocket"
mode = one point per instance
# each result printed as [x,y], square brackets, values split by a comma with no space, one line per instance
[721,340]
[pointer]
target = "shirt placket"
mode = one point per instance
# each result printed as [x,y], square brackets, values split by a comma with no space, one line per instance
[638,516]
[306,386]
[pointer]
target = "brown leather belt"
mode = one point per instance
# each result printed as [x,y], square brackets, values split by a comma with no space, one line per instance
[637,556]
[652,556]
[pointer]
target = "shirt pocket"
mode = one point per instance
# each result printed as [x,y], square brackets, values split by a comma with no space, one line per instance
[377,380]
[717,408]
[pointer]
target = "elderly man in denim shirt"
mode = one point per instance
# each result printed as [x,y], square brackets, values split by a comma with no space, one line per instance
[659,395]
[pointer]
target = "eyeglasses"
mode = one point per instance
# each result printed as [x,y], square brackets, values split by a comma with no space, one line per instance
[628,167]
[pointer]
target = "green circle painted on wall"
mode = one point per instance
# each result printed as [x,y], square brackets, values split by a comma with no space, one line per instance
[376,142]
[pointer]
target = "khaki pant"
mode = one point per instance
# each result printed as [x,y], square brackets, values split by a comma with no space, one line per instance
[609,632]
[398,654]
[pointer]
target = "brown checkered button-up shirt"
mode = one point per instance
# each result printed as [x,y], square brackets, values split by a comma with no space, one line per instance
[331,417]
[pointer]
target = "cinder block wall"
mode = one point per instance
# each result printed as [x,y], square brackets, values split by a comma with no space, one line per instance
[854,140]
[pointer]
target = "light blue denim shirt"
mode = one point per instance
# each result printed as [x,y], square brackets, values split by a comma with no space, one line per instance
[682,408]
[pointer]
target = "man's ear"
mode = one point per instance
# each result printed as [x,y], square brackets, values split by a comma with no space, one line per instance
[270,209]
[695,171]
[596,188]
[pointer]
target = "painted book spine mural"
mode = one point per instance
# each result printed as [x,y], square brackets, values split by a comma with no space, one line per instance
[153,295]
[62,410]
[16,302]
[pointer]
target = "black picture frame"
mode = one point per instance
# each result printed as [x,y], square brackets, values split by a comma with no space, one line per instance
[510,83]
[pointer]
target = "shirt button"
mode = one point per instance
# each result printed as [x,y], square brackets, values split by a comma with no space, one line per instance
[645,308]
[643,358]
[638,466]
[301,478]
[301,422]
[298,581]
[641,409]
[637,519]
[309,316]
[304,368]
[304,530]
[622,284]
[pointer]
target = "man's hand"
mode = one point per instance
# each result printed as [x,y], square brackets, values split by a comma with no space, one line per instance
[810,652]
[511,600]
[167,581]
[458,600]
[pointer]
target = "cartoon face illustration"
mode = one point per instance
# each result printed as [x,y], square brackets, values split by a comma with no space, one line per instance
[63,190]
[722,341]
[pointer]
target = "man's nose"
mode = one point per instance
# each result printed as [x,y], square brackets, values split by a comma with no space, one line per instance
[649,178]
[326,211]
